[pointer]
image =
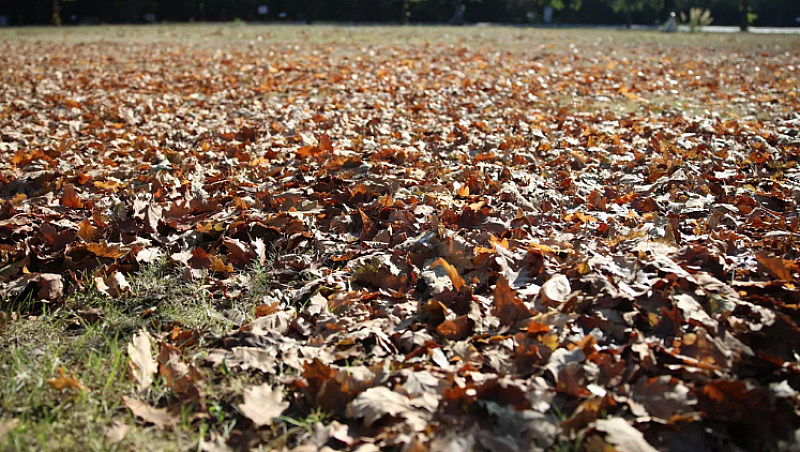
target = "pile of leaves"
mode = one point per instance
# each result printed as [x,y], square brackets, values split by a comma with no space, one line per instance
[467,248]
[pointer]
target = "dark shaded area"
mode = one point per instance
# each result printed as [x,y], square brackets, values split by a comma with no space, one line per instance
[88,12]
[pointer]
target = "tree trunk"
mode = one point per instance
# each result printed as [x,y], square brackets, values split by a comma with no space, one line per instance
[667,8]
[744,23]
[629,19]
[56,14]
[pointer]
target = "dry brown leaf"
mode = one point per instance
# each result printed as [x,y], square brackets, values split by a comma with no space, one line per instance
[50,287]
[115,285]
[159,417]
[375,403]
[7,426]
[262,404]
[456,329]
[507,307]
[115,433]
[87,232]
[777,267]
[181,377]
[623,436]
[71,198]
[64,381]
[103,249]
[556,289]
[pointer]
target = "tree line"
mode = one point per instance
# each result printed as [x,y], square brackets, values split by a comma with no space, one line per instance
[589,12]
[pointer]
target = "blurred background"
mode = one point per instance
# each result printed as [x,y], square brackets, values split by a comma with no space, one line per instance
[649,13]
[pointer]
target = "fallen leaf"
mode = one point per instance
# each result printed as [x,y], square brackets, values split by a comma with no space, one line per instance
[623,436]
[456,329]
[64,381]
[159,417]
[7,426]
[181,377]
[775,266]
[375,403]
[115,285]
[262,404]
[70,198]
[87,232]
[507,306]
[51,287]
[115,433]
[143,365]
[556,289]
[452,273]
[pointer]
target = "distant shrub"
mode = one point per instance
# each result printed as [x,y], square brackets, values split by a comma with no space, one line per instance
[698,18]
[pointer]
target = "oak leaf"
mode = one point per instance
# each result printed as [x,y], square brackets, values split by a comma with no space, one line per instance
[262,404]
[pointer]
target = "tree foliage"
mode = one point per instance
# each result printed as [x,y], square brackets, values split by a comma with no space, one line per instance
[725,12]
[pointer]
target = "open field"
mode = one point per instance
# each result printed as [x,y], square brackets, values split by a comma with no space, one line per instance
[218,237]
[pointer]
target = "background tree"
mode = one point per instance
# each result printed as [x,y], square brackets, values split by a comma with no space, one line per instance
[628,7]
[744,20]
[724,12]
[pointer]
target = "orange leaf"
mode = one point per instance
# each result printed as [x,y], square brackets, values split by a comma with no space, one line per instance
[325,143]
[87,232]
[777,267]
[456,329]
[63,381]
[507,306]
[218,265]
[535,328]
[103,249]
[70,198]
[266,309]
[457,280]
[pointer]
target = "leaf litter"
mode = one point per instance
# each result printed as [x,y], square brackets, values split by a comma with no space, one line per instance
[457,257]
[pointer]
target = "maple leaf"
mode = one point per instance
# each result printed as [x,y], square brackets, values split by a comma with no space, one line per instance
[777,267]
[179,376]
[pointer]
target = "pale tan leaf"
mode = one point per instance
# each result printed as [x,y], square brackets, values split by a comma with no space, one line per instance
[115,433]
[556,289]
[159,417]
[375,403]
[623,435]
[7,426]
[262,404]
[143,365]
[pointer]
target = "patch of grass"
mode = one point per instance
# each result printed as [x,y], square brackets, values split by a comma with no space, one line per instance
[32,350]
[88,335]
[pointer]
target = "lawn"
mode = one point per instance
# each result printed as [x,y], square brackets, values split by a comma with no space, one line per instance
[248,237]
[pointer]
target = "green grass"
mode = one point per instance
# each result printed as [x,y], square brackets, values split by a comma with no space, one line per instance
[32,348]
